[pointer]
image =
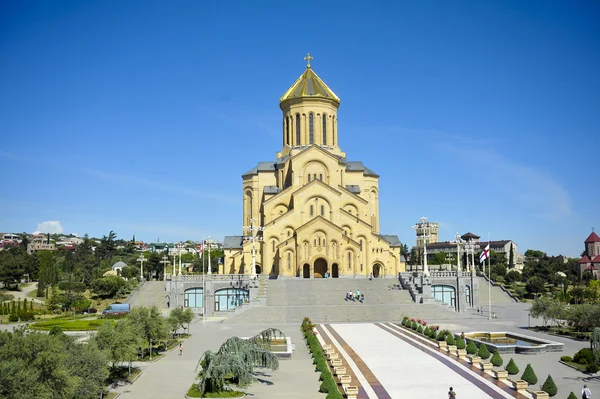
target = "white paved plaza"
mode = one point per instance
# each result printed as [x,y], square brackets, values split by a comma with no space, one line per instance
[403,369]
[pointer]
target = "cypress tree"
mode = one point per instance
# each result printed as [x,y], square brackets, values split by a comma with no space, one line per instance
[483,352]
[529,375]
[450,340]
[13,307]
[24,304]
[572,396]
[472,348]
[511,257]
[460,343]
[511,367]
[19,306]
[550,387]
[497,359]
[31,305]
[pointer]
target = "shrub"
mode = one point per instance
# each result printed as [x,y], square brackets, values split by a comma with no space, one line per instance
[584,356]
[426,331]
[404,319]
[432,334]
[566,358]
[13,317]
[420,329]
[483,352]
[414,325]
[550,387]
[512,368]
[472,348]
[572,396]
[460,343]
[529,375]
[592,368]
[442,335]
[450,340]
[497,359]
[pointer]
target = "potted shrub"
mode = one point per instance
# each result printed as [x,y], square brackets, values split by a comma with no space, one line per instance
[572,396]
[472,348]
[529,375]
[441,338]
[511,368]
[483,352]
[420,329]
[496,359]
[550,387]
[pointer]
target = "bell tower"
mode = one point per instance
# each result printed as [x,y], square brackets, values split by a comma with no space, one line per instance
[309,109]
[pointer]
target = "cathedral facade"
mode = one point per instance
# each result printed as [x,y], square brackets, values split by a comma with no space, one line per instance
[311,212]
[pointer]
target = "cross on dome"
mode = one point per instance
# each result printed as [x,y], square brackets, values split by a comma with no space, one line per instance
[308,58]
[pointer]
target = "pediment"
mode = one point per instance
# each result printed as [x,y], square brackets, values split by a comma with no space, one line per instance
[320,220]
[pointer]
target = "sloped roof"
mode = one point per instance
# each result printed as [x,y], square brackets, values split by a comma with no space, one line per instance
[357,166]
[353,188]
[272,190]
[596,259]
[593,238]
[469,235]
[233,242]
[585,259]
[311,86]
[393,240]
[262,167]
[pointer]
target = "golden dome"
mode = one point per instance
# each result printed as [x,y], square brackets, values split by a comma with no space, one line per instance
[309,85]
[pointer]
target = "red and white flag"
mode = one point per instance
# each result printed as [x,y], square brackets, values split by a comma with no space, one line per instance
[201,249]
[485,254]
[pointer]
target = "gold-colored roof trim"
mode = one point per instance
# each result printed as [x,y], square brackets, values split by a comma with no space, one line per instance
[309,85]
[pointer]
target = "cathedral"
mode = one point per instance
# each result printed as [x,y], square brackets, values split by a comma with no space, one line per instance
[311,213]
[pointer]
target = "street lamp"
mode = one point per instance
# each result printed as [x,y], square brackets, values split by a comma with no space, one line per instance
[141,259]
[165,262]
[209,242]
[424,226]
[254,229]
[459,241]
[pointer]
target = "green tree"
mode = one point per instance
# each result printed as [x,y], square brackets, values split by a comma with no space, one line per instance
[550,387]
[529,375]
[512,276]
[107,287]
[150,324]
[535,285]
[512,368]
[511,257]
[496,359]
[237,358]
[121,341]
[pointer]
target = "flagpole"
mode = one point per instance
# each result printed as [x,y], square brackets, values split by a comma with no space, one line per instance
[203,282]
[489,279]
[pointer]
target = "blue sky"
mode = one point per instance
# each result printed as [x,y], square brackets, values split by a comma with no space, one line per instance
[141,116]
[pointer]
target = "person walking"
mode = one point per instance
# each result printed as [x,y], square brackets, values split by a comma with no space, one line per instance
[180,348]
[586,393]
[451,393]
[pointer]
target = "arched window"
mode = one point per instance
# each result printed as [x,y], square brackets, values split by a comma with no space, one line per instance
[287,131]
[273,245]
[321,176]
[309,177]
[297,129]
[349,260]
[322,210]
[311,128]
[289,261]
[193,298]
[324,129]
[315,242]
[311,210]
[468,294]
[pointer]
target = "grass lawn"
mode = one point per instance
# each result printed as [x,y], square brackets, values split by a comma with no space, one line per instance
[6,296]
[580,367]
[194,393]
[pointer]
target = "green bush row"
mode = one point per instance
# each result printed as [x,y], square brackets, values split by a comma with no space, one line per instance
[328,384]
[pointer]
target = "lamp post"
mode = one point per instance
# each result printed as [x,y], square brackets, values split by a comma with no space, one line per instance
[254,229]
[209,242]
[459,241]
[165,262]
[141,259]
[424,227]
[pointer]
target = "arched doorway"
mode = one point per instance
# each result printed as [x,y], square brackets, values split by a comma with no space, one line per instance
[320,268]
[377,270]
[306,271]
[334,271]
[258,269]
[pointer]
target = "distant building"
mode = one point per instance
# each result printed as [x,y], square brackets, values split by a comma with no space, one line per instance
[431,233]
[590,262]
[40,242]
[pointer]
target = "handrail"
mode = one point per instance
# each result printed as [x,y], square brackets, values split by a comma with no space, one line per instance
[502,288]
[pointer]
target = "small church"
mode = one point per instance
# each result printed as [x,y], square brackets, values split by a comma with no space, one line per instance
[590,262]
[311,212]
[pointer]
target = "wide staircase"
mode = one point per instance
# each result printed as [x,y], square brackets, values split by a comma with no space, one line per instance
[498,295]
[323,300]
[150,293]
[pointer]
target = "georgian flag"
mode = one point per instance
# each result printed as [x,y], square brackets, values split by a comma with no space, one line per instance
[201,249]
[485,254]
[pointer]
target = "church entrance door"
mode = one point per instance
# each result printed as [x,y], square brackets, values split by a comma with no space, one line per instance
[320,268]
[306,271]
[334,271]
[258,269]
[376,270]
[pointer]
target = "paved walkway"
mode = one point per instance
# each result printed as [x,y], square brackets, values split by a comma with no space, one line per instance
[172,375]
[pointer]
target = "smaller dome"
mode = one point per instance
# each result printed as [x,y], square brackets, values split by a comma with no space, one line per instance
[119,265]
[309,85]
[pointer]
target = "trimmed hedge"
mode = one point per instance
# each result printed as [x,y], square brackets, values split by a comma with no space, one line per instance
[420,329]
[483,352]
[566,358]
[328,384]
[460,343]
[450,339]
[497,359]
[512,368]
[550,387]
[442,335]
[529,375]
[572,396]
[472,348]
